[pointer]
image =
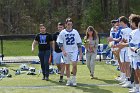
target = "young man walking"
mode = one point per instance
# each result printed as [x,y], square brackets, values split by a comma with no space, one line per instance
[69,41]
[57,52]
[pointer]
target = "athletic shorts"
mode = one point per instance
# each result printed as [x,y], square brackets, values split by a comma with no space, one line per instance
[71,57]
[124,56]
[57,57]
[136,63]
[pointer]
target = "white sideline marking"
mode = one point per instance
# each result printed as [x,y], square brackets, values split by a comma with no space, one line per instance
[55,86]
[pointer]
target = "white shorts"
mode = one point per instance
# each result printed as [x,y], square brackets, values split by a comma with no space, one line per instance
[124,56]
[57,57]
[71,57]
[136,63]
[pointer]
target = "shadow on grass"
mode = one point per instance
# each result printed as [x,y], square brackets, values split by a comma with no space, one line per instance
[91,88]
[57,82]
[107,81]
[85,87]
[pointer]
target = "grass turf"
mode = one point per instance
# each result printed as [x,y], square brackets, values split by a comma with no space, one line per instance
[33,84]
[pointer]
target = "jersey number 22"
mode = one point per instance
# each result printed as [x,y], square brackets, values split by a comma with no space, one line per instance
[70,40]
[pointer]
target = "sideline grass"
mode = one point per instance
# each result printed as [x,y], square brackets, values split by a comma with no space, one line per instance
[33,84]
[23,47]
[18,48]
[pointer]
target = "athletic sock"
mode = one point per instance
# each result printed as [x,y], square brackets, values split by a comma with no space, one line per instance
[61,77]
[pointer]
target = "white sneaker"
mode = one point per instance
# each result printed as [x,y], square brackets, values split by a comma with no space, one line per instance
[127,85]
[74,81]
[121,79]
[112,61]
[134,90]
[122,83]
[117,78]
[107,62]
[115,64]
[68,82]
[130,89]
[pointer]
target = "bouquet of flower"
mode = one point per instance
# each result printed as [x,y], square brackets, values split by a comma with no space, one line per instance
[86,43]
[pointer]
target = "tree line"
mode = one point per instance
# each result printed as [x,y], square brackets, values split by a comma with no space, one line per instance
[24,16]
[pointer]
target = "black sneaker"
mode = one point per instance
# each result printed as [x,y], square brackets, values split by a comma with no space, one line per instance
[71,72]
[92,76]
[61,79]
[47,79]
[59,72]
[43,78]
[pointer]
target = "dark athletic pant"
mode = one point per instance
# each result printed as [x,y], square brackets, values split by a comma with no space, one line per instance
[44,60]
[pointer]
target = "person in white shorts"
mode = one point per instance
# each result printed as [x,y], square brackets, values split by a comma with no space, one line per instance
[70,42]
[134,45]
[114,35]
[124,58]
[57,52]
[114,40]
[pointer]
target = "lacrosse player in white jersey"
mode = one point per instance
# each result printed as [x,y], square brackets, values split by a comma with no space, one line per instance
[134,45]
[114,34]
[124,58]
[70,42]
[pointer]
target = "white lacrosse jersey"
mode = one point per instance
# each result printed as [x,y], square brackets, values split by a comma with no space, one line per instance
[69,39]
[125,34]
[114,35]
[131,53]
[135,40]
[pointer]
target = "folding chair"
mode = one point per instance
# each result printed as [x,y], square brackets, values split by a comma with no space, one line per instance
[102,50]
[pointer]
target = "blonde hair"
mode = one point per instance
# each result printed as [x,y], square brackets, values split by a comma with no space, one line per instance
[131,15]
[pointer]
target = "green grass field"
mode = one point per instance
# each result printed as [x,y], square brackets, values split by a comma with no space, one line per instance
[23,47]
[18,48]
[33,84]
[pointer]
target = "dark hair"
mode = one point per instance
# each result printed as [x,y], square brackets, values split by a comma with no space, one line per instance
[124,19]
[94,34]
[135,19]
[68,20]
